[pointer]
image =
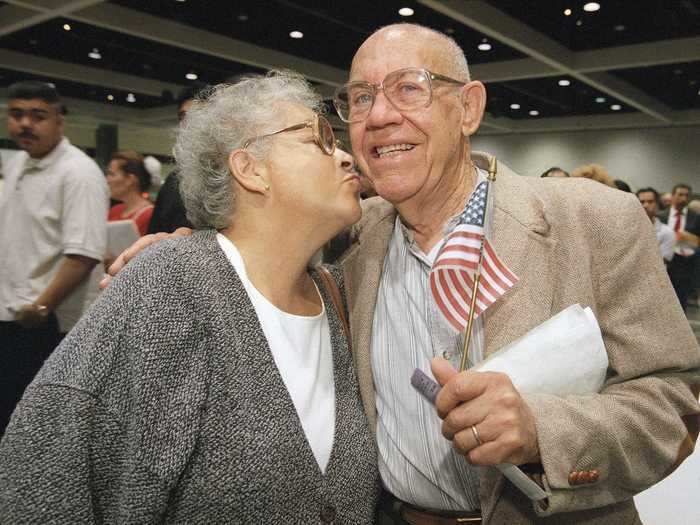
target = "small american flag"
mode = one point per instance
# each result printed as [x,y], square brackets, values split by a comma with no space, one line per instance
[454,270]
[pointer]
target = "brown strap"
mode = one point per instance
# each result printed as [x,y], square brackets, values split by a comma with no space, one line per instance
[337,299]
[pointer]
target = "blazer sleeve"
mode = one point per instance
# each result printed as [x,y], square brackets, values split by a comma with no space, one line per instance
[603,448]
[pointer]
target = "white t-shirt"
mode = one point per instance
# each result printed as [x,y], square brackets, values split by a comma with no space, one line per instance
[301,348]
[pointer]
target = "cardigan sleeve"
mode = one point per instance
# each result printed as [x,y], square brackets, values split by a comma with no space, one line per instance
[106,428]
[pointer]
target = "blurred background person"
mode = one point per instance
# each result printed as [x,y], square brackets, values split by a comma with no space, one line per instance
[622,186]
[128,181]
[169,212]
[213,380]
[53,231]
[594,172]
[554,172]
[686,226]
[649,198]
[664,201]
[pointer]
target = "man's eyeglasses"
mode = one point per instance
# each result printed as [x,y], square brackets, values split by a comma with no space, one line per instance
[406,89]
[322,130]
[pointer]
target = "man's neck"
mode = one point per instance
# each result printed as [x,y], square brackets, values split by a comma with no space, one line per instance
[46,154]
[427,217]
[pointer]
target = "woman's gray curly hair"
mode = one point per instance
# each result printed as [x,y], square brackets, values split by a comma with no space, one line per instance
[219,121]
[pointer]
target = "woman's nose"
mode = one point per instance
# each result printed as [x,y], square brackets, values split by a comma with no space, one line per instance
[346,161]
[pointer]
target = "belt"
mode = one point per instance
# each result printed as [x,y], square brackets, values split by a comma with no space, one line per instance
[418,516]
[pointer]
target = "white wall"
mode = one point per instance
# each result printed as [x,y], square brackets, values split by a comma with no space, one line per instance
[658,157]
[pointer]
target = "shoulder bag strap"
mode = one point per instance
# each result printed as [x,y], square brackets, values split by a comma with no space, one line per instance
[334,291]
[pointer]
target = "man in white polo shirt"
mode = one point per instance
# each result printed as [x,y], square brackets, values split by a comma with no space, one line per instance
[53,231]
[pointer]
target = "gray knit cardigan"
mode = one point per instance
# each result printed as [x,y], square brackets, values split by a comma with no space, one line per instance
[164,405]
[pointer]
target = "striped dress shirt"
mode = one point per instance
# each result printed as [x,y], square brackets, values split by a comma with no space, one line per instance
[417,464]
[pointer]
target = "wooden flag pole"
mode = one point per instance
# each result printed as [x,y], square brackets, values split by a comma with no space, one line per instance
[472,310]
[493,167]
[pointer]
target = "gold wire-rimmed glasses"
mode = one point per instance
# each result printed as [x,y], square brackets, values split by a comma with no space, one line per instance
[322,130]
[406,89]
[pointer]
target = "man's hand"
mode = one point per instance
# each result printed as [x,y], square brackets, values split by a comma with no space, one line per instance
[32,316]
[133,250]
[488,401]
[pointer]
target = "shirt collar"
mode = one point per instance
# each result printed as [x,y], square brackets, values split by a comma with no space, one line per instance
[49,159]
[408,235]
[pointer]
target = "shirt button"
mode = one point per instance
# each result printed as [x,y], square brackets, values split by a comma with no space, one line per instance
[447,355]
[328,514]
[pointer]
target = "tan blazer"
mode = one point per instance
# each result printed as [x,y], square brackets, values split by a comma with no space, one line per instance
[570,241]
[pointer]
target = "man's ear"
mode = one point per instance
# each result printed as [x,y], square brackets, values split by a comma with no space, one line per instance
[247,171]
[473,98]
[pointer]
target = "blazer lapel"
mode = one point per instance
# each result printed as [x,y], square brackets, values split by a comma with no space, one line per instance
[362,270]
[520,238]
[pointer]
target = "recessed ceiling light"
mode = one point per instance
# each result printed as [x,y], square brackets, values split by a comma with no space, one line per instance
[66,27]
[180,0]
[567,12]
[296,34]
[484,46]
[242,17]
[698,91]
[619,27]
[579,23]
[591,7]
[616,107]
[95,54]
[191,76]
[534,113]
[406,11]
[130,98]
[515,106]
[564,82]
[600,100]
[52,84]
[110,97]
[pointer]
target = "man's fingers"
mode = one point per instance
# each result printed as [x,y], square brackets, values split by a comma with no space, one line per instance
[442,370]
[462,387]
[463,416]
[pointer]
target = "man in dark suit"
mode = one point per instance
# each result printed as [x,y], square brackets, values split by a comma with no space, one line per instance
[686,225]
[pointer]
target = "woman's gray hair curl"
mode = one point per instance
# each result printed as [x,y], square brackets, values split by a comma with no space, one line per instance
[218,122]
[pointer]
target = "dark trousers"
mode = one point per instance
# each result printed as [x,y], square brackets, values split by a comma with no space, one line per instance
[22,352]
[681,271]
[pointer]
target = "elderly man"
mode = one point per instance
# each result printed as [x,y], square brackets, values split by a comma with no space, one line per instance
[582,243]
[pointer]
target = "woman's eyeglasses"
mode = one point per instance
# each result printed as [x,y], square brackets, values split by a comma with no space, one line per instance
[322,130]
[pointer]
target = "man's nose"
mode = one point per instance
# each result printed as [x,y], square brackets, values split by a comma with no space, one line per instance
[383,112]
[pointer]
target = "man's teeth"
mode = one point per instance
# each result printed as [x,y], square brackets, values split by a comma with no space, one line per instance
[393,149]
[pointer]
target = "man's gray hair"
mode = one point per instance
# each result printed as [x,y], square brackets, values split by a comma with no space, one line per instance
[218,122]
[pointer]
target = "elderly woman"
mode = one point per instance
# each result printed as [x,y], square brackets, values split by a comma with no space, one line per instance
[212,382]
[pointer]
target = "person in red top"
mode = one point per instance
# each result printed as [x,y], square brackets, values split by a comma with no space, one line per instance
[128,179]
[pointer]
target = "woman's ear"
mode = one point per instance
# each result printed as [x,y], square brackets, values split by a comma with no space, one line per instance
[474,103]
[247,171]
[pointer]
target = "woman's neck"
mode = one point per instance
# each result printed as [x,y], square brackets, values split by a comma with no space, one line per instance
[276,260]
[133,202]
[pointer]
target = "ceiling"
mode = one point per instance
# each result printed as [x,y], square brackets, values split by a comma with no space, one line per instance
[555,67]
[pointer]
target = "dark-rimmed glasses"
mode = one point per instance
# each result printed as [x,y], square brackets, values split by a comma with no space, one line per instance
[406,89]
[322,130]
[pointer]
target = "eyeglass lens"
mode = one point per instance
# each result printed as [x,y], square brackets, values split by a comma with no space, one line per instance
[325,133]
[406,89]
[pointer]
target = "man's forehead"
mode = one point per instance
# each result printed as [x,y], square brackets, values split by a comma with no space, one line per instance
[29,104]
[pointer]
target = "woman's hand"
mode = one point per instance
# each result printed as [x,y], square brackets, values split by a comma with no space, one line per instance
[134,249]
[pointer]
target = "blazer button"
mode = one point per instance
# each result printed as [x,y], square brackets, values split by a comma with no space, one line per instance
[573,477]
[328,514]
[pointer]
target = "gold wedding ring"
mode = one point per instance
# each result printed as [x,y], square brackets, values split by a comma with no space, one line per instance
[476,435]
